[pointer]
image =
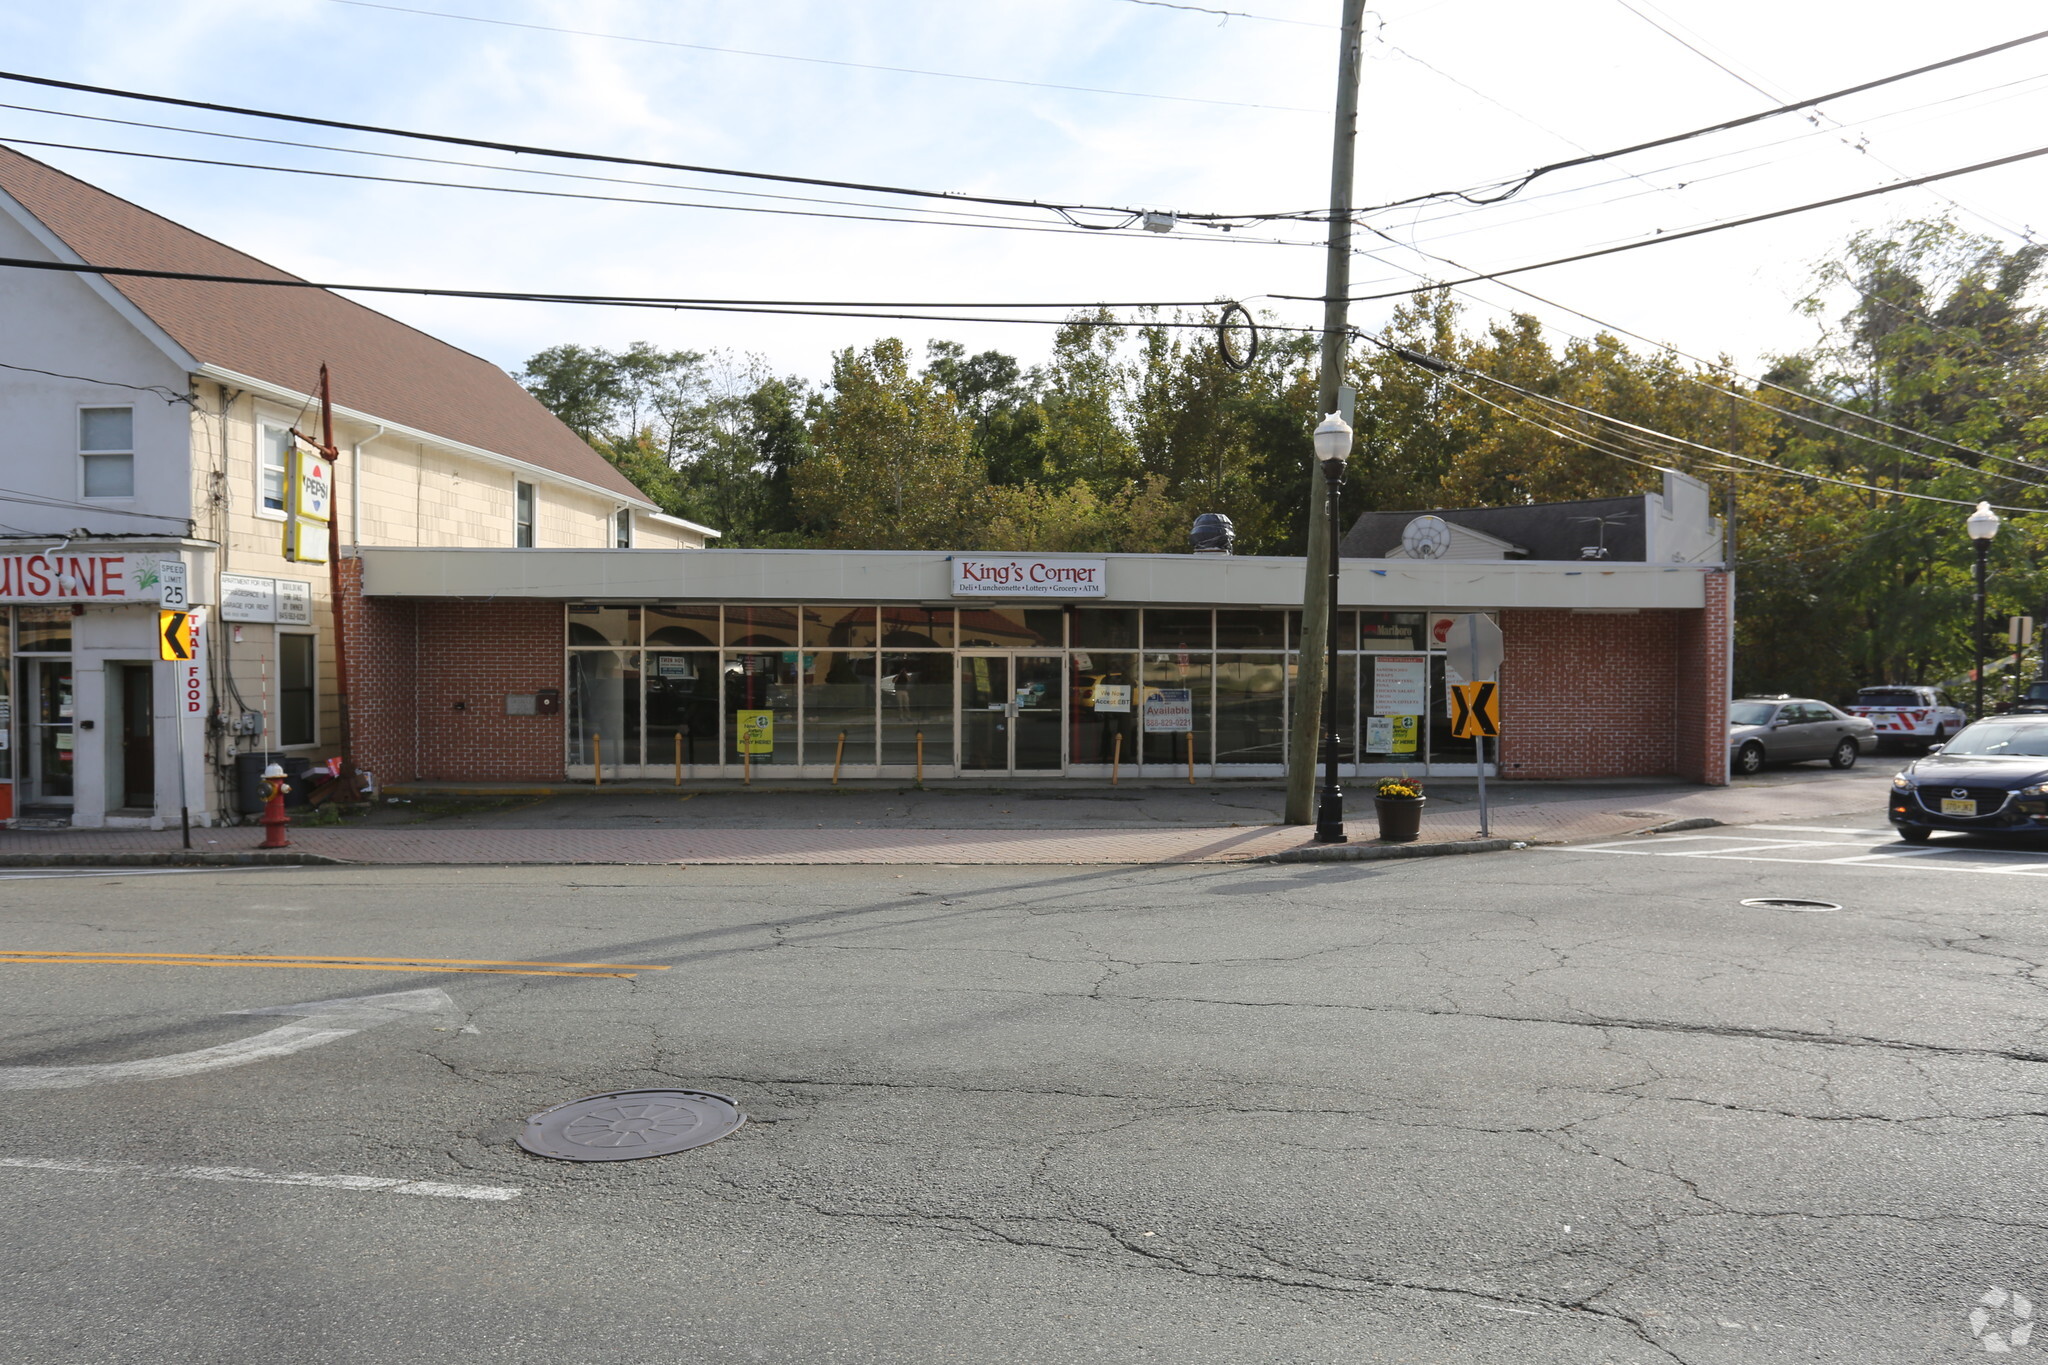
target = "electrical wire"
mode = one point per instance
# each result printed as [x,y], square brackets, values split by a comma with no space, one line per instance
[1014,226]
[822,61]
[1732,372]
[770,307]
[1494,192]
[1233,14]
[28,499]
[606,158]
[1443,368]
[158,389]
[1723,226]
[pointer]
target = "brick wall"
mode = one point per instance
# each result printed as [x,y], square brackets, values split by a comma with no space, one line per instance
[475,653]
[1620,694]
[411,661]
[383,682]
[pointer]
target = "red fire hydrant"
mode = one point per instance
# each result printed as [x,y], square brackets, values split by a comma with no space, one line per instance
[273,818]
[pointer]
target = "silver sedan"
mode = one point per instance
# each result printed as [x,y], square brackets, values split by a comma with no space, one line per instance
[1793,729]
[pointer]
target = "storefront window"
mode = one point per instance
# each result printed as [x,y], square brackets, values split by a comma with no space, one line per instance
[1443,748]
[1173,672]
[682,705]
[1103,708]
[1347,632]
[757,626]
[297,721]
[1105,627]
[1391,630]
[44,630]
[1251,630]
[1348,737]
[6,696]
[595,625]
[760,704]
[839,702]
[1177,629]
[604,707]
[685,627]
[917,628]
[1394,706]
[1251,708]
[917,699]
[1012,627]
[839,627]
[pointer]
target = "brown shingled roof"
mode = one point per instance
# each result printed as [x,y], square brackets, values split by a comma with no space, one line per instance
[379,365]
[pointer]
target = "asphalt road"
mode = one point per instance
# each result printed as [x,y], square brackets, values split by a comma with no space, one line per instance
[1573,1106]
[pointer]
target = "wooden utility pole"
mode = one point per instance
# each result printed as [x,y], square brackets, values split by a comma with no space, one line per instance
[344,782]
[1316,605]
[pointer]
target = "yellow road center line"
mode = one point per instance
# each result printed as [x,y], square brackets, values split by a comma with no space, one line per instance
[102,953]
[6,958]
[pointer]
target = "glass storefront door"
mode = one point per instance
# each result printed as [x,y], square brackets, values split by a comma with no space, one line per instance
[49,746]
[1013,713]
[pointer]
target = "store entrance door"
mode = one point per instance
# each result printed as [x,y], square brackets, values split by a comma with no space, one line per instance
[138,736]
[1013,713]
[50,732]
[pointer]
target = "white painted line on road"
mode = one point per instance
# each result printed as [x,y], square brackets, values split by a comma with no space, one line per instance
[368,1184]
[1900,861]
[1824,829]
[1754,847]
[39,873]
[325,1022]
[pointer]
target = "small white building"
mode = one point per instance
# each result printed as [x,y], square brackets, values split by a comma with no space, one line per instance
[149,420]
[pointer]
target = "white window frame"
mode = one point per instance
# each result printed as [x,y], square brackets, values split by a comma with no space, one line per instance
[622,529]
[264,426]
[531,526]
[314,689]
[85,455]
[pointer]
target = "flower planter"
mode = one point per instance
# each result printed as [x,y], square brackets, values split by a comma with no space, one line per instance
[1400,817]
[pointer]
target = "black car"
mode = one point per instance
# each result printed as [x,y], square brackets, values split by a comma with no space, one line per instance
[1990,779]
[2033,700]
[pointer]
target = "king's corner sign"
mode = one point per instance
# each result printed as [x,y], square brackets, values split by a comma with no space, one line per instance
[1029,576]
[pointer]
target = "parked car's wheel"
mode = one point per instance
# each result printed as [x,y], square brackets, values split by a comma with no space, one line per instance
[1844,755]
[1913,835]
[1749,759]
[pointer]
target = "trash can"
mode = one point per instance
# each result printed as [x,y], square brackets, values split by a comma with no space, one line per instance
[249,781]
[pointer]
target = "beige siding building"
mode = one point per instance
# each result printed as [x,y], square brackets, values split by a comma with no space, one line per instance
[148,419]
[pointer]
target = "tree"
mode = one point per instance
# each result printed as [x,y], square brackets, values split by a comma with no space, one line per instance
[891,464]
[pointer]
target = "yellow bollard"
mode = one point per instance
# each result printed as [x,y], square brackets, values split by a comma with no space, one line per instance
[679,758]
[597,756]
[747,760]
[1191,758]
[920,758]
[1116,758]
[838,758]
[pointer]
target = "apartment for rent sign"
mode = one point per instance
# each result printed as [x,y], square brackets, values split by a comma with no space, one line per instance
[1028,576]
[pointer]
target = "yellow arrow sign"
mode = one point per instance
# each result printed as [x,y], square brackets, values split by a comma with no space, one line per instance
[1475,710]
[177,635]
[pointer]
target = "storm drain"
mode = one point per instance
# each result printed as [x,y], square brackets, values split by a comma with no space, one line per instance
[627,1124]
[1791,903]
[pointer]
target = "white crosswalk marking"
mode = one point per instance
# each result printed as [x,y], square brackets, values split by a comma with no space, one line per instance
[1850,848]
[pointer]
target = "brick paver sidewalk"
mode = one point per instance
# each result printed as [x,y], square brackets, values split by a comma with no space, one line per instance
[1556,821]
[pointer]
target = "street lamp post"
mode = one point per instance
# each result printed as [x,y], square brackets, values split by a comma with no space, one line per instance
[1333,447]
[1982,525]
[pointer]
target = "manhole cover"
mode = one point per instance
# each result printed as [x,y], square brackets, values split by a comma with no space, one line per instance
[627,1124]
[1791,903]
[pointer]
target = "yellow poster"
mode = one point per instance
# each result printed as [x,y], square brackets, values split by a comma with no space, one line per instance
[1407,732]
[756,732]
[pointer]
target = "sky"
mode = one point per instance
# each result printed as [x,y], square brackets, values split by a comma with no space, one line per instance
[1116,103]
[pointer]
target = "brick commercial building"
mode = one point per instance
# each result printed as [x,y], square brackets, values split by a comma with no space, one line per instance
[533,665]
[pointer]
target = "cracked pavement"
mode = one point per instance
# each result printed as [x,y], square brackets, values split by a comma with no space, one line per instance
[1504,1108]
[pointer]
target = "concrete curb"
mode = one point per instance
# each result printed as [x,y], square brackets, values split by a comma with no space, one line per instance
[1674,826]
[1369,853]
[253,858]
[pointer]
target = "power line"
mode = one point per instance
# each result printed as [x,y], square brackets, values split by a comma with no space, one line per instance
[822,61]
[1723,226]
[1443,368]
[962,221]
[1507,189]
[606,158]
[771,307]
[1731,371]
[1232,14]
[158,389]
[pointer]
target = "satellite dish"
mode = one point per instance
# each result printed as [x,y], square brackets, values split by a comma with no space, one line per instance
[1426,538]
